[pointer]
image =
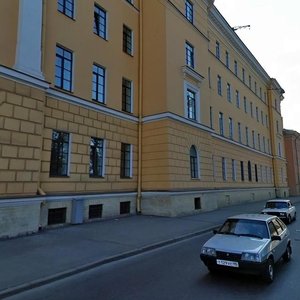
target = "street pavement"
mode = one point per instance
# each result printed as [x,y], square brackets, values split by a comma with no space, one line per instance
[31,261]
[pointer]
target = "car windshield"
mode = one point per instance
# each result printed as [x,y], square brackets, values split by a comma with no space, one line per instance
[244,227]
[278,205]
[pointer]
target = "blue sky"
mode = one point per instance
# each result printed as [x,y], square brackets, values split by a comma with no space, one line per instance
[274,40]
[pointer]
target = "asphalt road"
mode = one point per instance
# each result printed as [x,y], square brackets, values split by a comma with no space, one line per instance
[173,272]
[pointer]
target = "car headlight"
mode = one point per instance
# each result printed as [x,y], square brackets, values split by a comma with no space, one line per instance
[209,251]
[282,214]
[251,257]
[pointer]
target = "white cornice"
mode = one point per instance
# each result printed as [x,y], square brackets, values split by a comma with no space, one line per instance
[171,116]
[23,78]
[90,105]
[219,21]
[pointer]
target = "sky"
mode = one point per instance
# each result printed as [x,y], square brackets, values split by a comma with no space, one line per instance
[274,39]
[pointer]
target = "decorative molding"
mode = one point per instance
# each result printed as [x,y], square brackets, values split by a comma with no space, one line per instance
[223,138]
[171,116]
[90,105]
[222,25]
[190,73]
[23,78]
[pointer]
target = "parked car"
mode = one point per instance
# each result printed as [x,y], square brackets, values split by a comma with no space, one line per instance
[281,208]
[249,243]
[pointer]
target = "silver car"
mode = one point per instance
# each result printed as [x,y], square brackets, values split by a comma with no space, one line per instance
[282,208]
[250,243]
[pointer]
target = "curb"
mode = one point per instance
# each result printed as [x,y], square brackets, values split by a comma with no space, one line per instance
[61,275]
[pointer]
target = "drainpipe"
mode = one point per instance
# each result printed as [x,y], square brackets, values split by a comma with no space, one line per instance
[298,175]
[140,111]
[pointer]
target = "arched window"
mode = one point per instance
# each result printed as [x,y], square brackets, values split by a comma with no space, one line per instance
[194,162]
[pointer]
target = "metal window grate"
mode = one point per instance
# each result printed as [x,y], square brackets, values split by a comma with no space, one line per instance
[95,211]
[197,203]
[57,216]
[124,207]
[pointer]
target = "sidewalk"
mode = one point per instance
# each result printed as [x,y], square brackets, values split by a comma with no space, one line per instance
[38,259]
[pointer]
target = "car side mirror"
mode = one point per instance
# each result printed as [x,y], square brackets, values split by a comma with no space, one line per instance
[276,238]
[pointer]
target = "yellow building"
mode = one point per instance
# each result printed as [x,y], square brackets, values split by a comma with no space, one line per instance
[117,107]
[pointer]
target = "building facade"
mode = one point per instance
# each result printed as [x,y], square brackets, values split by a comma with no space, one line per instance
[106,112]
[292,150]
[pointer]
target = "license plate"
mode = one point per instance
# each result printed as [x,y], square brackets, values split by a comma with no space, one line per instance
[227,263]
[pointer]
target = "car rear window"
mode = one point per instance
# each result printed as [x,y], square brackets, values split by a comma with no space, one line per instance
[278,205]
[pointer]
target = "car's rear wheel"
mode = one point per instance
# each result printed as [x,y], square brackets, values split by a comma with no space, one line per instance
[287,253]
[295,216]
[289,219]
[268,274]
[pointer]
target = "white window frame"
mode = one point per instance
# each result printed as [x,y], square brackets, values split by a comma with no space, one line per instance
[196,90]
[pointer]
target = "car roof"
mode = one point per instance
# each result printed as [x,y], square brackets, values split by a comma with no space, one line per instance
[279,200]
[255,217]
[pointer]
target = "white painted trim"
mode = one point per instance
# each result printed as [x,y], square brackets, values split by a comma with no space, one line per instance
[169,115]
[69,154]
[131,161]
[29,41]
[89,105]
[23,78]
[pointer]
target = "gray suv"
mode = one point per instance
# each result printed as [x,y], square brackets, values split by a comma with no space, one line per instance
[250,243]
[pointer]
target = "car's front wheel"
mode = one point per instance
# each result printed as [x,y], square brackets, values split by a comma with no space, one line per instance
[268,274]
[295,216]
[287,253]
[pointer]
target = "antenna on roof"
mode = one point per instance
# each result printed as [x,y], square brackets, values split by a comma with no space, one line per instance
[240,27]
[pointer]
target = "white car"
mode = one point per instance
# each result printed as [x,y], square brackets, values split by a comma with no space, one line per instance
[248,243]
[282,208]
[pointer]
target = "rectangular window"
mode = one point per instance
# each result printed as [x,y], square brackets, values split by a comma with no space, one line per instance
[100,21]
[264,144]
[233,167]
[257,115]
[57,216]
[189,55]
[258,141]
[96,157]
[235,68]
[224,171]
[247,136]
[197,203]
[218,50]
[219,83]
[260,93]
[237,99]
[228,92]
[189,11]
[253,139]
[211,116]
[127,40]
[243,75]
[251,109]
[245,104]
[191,104]
[66,7]
[95,211]
[227,59]
[221,123]
[63,69]
[126,95]
[230,125]
[242,171]
[240,132]
[256,173]
[59,162]
[262,117]
[98,86]
[250,82]
[126,154]
[255,88]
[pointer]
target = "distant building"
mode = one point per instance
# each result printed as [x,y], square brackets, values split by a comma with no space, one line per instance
[292,150]
[118,107]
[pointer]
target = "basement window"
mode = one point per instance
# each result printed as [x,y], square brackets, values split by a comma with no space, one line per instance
[57,216]
[197,203]
[124,207]
[95,211]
